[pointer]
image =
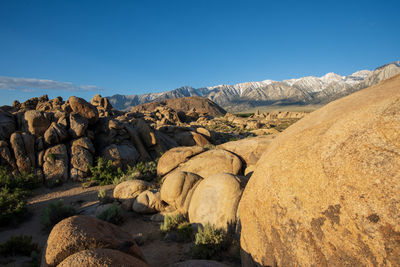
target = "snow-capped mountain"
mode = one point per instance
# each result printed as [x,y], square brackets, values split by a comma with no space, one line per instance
[303,91]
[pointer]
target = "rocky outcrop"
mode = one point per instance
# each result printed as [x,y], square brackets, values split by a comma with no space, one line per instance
[216,161]
[78,124]
[37,122]
[249,149]
[81,233]
[83,108]
[177,190]
[215,200]
[325,192]
[126,192]
[148,202]
[55,134]
[102,257]
[82,151]
[186,104]
[23,145]
[55,166]
[121,155]
[175,156]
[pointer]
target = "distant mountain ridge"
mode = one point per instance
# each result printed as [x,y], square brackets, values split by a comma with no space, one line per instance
[301,91]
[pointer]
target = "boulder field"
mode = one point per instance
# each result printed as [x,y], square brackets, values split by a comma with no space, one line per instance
[326,190]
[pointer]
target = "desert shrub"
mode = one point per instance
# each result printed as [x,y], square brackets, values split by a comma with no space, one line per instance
[12,206]
[18,245]
[178,224]
[282,125]
[244,115]
[104,172]
[14,190]
[210,242]
[103,197]
[209,146]
[185,232]
[147,170]
[171,222]
[22,181]
[112,214]
[54,213]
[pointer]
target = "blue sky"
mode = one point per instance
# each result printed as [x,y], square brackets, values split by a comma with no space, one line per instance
[134,47]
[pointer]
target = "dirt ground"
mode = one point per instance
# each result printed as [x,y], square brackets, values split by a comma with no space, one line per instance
[157,251]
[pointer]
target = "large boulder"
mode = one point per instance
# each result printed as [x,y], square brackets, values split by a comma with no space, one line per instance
[82,154]
[177,190]
[78,125]
[126,192]
[189,138]
[55,134]
[148,202]
[55,166]
[121,155]
[7,124]
[6,159]
[102,257]
[79,233]
[326,191]
[215,200]
[85,109]
[175,156]
[37,122]
[23,145]
[249,149]
[212,162]
[146,133]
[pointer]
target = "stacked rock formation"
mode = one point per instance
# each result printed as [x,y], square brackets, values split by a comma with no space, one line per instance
[58,140]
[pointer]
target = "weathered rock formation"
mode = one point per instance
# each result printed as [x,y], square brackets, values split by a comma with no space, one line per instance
[78,238]
[326,190]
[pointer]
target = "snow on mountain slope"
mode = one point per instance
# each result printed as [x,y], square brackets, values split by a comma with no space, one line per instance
[305,90]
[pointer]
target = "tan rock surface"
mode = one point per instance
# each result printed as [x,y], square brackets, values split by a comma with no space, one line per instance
[213,162]
[127,191]
[23,145]
[37,122]
[215,200]
[326,191]
[175,156]
[85,109]
[102,257]
[55,166]
[177,189]
[148,202]
[78,233]
[249,149]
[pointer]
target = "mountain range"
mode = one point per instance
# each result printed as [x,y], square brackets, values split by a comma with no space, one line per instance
[243,96]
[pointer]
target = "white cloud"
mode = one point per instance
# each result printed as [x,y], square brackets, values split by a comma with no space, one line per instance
[31,85]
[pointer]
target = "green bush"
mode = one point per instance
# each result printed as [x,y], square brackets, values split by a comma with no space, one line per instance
[171,222]
[12,206]
[19,245]
[145,170]
[14,190]
[54,213]
[104,172]
[209,242]
[112,214]
[103,197]
[178,224]
[23,181]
